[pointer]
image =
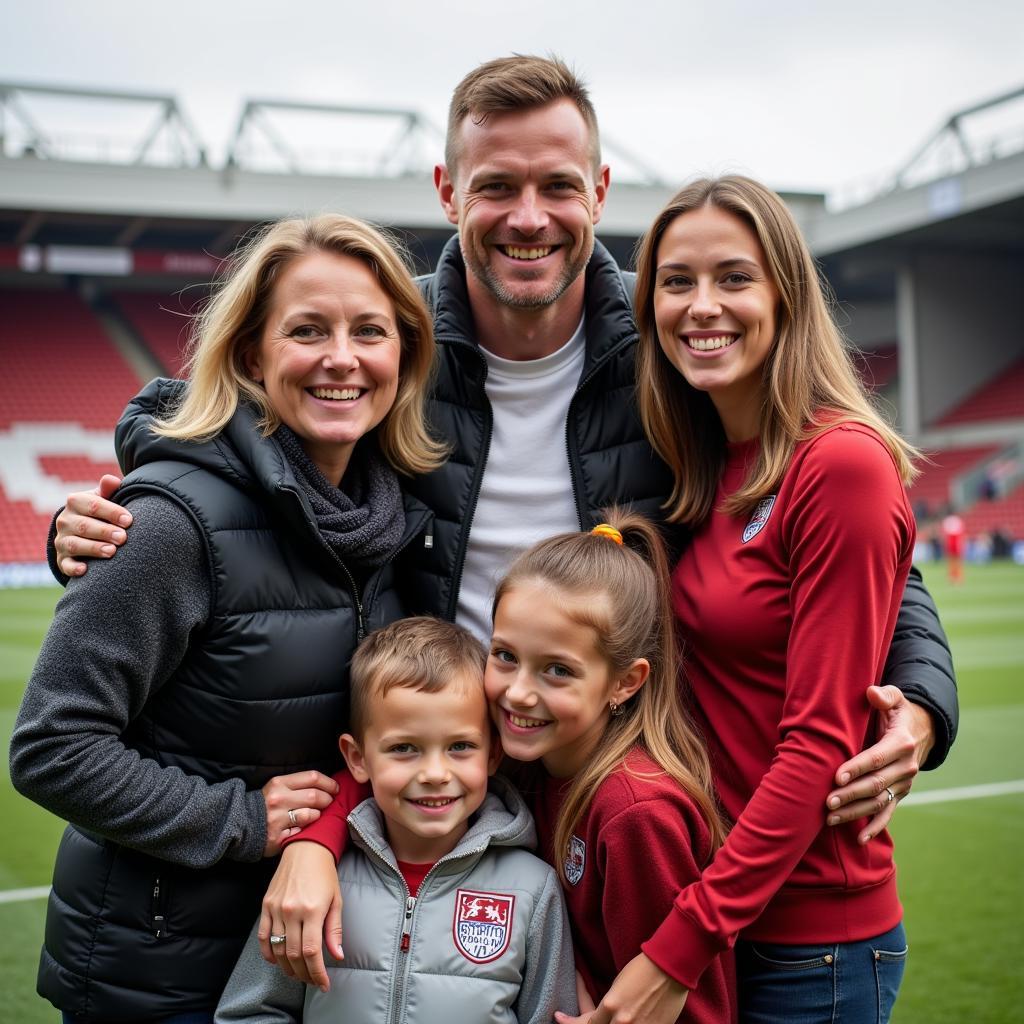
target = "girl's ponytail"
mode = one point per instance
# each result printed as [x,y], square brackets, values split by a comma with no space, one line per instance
[625,560]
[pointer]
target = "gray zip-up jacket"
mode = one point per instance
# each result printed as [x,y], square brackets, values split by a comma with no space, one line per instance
[485,940]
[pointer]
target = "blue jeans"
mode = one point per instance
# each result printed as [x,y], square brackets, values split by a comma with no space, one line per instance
[835,983]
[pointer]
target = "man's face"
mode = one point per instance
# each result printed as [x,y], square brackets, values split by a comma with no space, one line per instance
[525,199]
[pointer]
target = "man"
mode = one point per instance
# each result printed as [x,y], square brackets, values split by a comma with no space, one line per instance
[536,346]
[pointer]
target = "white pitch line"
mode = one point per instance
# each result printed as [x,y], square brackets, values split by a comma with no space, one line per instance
[19,895]
[935,796]
[942,796]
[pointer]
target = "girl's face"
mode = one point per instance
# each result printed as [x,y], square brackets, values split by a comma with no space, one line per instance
[715,307]
[547,681]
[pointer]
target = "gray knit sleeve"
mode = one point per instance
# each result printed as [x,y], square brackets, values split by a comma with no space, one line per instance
[260,993]
[549,980]
[118,634]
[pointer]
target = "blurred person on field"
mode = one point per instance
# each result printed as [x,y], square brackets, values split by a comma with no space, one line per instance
[953,536]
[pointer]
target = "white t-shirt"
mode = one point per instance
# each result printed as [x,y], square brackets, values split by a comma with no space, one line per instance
[526,491]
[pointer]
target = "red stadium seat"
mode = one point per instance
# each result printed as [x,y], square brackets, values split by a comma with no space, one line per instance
[162,322]
[1000,399]
[62,390]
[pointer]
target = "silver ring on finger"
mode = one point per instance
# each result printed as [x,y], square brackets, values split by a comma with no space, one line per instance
[277,940]
[892,795]
[292,818]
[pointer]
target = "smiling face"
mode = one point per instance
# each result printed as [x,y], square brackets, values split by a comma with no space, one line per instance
[328,355]
[549,684]
[525,197]
[427,757]
[715,308]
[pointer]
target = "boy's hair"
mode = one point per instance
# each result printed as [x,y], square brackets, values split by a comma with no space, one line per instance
[516,83]
[624,597]
[420,653]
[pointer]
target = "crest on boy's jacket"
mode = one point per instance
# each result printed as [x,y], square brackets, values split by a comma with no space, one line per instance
[483,924]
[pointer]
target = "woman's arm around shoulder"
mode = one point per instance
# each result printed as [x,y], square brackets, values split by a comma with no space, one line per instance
[117,636]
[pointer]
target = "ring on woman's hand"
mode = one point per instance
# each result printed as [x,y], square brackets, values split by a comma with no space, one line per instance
[892,795]
[277,940]
[291,818]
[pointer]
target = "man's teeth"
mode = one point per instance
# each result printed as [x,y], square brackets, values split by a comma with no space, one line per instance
[710,344]
[518,253]
[525,723]
[336,394]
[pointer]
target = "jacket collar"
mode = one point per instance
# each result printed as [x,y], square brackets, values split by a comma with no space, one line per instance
[239,453]
[607,303]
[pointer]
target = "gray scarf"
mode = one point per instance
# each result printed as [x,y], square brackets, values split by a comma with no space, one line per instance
[364,520]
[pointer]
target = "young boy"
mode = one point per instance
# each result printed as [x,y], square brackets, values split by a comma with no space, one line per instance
[447,917]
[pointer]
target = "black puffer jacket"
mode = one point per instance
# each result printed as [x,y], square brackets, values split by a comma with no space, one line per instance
[610,459]
[261,691]
[611,463]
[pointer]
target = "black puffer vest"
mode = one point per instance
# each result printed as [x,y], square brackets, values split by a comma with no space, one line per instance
[263,691]
[610,459]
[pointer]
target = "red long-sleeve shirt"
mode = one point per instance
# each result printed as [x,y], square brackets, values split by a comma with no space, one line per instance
[638,843]
[787,616]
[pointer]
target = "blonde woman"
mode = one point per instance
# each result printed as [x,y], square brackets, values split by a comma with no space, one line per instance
[185,705]
[787,595]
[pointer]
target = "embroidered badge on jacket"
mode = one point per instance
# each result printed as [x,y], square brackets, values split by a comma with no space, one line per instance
[483,924]
[759,518]
[575,860]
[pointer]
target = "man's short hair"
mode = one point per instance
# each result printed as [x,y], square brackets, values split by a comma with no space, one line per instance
[519,82]
[421,653]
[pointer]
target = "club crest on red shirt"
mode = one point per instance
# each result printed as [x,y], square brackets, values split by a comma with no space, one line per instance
[575,860]
[757,521]
[483,924]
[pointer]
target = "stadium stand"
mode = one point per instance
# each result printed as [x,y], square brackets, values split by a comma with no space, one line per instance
[65,381]
[1002,398]
[160,322]
[62,390]
[931,490]
[1005,514]
[58,363]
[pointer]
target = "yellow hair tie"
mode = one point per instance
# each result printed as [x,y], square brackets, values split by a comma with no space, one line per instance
[604,530]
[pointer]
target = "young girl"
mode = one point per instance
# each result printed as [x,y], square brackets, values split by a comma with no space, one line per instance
[787,595]
[582,679]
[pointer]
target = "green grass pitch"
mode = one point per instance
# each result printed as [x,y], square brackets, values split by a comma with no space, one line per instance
[961,862]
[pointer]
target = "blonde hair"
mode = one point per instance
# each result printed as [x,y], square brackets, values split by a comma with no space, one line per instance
[419,653]
[634,620]
[809,379]
[509,84]
[230,325]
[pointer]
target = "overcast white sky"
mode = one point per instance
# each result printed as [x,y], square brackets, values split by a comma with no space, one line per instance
[803,95]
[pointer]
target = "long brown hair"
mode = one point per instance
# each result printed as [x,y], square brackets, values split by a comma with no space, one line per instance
[634,621]
[809,380]
[231,323]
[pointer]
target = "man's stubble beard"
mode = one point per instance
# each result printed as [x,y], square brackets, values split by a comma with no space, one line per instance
[494,284]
